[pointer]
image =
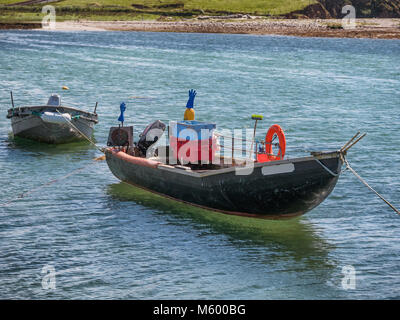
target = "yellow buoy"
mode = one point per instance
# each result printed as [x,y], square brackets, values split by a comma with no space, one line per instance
[65,88]
[189,114]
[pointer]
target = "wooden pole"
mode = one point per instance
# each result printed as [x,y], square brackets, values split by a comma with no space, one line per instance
[349,146]
[233,145]
[12,99]
[350,141]
[169,155]
[252,141]
[95,108]
[256,150]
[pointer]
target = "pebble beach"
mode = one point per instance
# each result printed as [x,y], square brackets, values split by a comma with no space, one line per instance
[365,28]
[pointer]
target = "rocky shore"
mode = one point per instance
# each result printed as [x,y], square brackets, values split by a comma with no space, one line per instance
[365,28]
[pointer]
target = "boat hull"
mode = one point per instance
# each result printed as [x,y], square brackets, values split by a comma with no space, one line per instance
[31,126]
[280,189]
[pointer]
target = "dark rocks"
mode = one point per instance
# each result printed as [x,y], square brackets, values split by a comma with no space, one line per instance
[364,8]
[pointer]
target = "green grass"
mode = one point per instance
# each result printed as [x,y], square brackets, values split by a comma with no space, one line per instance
[37,17]
[148,9]
[7,1]
[275,7]
[20,17]
[262,7]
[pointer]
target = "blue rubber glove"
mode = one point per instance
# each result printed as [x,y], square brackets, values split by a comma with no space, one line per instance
[192,95]
[122,107]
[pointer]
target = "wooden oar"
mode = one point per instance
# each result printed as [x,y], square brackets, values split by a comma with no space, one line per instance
[352,144]
[348,142]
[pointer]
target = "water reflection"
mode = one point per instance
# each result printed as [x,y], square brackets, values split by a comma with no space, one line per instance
[296,239]
[35,148]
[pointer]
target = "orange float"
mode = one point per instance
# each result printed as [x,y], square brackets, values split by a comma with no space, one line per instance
[135,160]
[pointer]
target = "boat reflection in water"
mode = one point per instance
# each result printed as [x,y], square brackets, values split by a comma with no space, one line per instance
[293,238]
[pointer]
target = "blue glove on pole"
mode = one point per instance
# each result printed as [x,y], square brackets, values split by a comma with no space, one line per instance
[122,107]
[192,95]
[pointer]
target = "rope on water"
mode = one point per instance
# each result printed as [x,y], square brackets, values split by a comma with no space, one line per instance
[80,132]
[27,193]
[23,195]
[369,187]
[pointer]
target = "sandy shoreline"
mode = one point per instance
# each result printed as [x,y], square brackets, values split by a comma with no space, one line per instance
[366,28]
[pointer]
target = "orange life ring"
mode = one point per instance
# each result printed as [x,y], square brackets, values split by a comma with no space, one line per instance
[274,129]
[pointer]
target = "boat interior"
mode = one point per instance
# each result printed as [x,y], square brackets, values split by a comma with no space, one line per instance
[53,105]
[154,151]
[164,155]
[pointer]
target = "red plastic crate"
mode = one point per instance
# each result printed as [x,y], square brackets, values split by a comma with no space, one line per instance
[194,151]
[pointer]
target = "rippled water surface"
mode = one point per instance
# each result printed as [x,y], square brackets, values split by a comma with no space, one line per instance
[109,240]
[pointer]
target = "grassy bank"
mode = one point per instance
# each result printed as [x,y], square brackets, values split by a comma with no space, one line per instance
[147,9]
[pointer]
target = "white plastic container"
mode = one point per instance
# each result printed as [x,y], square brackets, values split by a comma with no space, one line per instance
[52,117]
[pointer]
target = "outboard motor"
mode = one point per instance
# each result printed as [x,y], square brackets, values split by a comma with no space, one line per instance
[150,135]
[54,100]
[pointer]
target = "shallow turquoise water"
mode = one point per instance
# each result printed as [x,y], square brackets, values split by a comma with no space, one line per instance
[109,240]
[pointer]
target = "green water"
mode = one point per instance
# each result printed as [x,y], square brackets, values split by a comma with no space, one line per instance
[107,240]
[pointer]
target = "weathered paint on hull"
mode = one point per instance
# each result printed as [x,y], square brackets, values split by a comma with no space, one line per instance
[272,196]
[34,128]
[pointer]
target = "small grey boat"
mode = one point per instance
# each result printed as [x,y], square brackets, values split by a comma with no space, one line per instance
[52,123]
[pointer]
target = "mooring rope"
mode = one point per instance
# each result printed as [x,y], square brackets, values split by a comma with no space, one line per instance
[48,183]
[23,195]
[74,127]
[369,187]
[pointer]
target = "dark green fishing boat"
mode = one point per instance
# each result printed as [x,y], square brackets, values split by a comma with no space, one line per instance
[188,168]
[278,189]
